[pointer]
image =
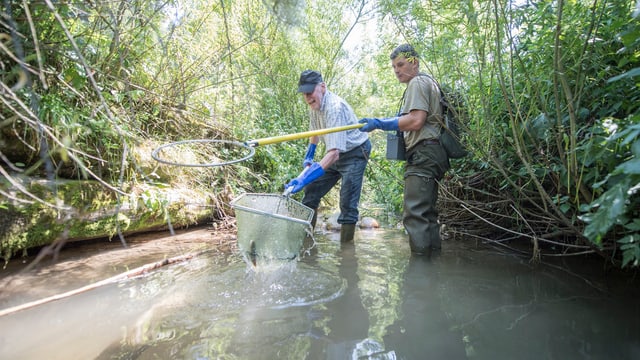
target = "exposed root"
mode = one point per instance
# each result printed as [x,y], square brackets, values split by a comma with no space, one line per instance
[473,208]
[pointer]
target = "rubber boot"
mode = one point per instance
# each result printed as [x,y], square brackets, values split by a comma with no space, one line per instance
[314,219]
[346,232]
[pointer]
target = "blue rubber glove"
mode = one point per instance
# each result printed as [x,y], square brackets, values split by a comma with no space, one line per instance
[307,176]
[308,157]
[387,124]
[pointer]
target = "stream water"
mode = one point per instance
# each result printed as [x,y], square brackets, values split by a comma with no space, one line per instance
[367,300]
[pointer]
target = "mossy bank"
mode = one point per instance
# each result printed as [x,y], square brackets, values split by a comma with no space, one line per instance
[80,210]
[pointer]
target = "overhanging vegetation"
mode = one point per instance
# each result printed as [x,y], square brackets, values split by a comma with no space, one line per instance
[549,92]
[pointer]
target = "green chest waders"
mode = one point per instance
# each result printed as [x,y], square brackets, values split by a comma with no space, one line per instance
[425,164]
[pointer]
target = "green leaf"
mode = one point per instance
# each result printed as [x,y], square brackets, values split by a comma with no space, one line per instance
[629,74]
[612,205]
[634,133]
[633,225]
[630,249]
[635,149]
[631,167]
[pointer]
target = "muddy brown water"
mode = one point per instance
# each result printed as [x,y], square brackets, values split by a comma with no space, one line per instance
[367,300]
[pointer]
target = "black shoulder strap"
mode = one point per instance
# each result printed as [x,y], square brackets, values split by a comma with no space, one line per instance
[401,102]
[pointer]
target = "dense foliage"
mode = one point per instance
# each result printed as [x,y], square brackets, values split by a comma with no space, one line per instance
[548,91]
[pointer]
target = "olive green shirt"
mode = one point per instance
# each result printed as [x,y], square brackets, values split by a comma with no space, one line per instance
[423,93]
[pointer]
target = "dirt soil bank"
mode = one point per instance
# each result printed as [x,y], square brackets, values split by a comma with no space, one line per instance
[82,264]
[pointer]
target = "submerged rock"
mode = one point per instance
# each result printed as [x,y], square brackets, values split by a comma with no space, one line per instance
[368,223]
[331,223]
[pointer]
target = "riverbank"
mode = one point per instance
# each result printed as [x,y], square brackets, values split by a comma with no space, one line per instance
[80,265]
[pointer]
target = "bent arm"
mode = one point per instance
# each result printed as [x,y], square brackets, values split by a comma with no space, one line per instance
[329,158]
[412,121]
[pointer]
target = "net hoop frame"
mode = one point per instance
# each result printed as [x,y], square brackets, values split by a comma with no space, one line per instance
[154,153]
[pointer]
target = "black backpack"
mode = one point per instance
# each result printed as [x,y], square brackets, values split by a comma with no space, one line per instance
[450,131]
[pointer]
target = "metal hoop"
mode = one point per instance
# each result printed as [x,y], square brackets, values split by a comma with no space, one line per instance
[155,152]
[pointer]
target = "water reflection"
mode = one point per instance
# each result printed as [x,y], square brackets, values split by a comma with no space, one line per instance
[424,330]
[346,326]
[369,299]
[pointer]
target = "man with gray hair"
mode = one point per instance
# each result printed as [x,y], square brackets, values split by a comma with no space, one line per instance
[345,158]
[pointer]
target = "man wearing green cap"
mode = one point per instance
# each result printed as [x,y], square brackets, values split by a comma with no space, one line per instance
[346,156]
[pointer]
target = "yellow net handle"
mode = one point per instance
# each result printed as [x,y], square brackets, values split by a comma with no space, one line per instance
[301,135]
